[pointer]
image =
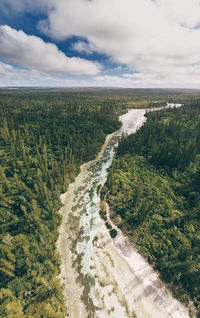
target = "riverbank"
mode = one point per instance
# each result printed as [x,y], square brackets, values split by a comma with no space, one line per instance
[100,278]
[69,277]
[148,277]
[154,202]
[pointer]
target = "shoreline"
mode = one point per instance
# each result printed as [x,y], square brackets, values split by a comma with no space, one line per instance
[128,250]
[127,257]
[68,275]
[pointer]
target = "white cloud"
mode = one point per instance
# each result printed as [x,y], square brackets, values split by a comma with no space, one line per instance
[32,52]
[11,76]
[152,37]
[84,47]
[187,78]
[158,39]
[181,11]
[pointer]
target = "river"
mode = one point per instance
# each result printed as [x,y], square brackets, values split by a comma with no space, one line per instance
[105,277]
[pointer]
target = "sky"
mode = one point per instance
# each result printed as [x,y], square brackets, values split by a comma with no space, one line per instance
[105,43]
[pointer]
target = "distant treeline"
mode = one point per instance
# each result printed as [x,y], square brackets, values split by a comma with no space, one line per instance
[44,138]
[171,140]
[154,185]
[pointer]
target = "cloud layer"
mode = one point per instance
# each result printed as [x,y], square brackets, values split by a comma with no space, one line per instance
[32,52]
[157,40]
[10,76]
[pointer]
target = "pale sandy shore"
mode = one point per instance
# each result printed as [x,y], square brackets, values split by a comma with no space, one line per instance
[73,289]
[105,277]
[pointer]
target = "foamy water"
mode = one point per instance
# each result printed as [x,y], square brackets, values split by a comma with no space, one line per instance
[105,277]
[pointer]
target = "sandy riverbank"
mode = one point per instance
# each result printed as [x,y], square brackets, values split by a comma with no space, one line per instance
[68,276]
[104,277]
[150,286]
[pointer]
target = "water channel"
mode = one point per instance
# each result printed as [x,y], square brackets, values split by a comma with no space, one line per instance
[105,277]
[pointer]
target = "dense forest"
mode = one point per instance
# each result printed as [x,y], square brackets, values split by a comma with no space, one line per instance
[44,138]
[45,135]
[154,195]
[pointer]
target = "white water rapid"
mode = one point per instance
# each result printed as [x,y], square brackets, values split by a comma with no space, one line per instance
[105,277]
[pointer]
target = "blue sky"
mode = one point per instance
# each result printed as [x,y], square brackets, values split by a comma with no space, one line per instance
[112,43]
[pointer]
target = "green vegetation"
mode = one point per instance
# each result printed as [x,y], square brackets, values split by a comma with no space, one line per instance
[108,225]
[171,141]
[45,137]
[102,211]
[154,185]
[103,214]
[113,233]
